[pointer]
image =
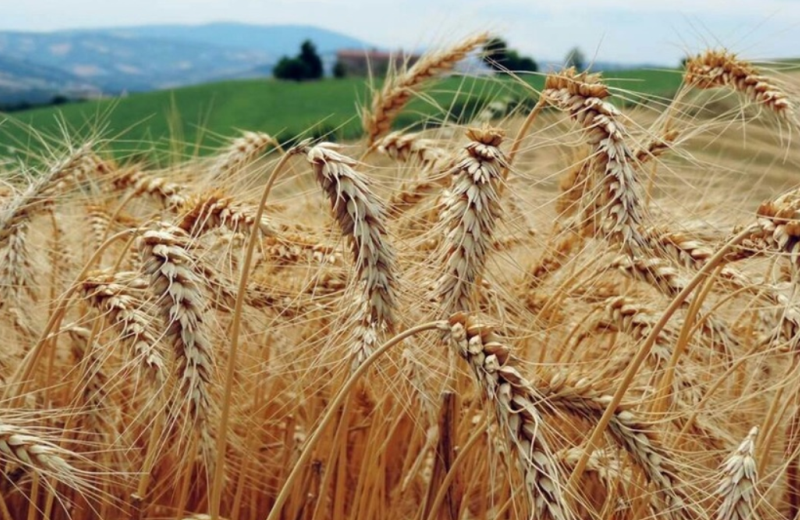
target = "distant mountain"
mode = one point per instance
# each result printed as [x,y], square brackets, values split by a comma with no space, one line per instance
[115,63]
[114,60]
[25,82]
[274,40]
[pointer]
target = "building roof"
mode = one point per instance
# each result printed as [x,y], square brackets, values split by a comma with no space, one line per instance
[371,54]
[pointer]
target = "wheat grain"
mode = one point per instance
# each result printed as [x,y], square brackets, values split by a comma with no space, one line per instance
[242,151]
[170,194]
[405,147]
[212,210]
[21,447]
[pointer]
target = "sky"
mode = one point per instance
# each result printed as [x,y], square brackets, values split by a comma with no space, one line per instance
[627,31]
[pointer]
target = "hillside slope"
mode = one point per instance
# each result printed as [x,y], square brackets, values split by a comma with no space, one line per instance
[200,117]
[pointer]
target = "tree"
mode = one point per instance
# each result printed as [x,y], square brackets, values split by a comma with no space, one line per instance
[495,53]
[305,66]
[527,64]
[575,58]
[498,56]
[291,69]
[308,55]
[339,70]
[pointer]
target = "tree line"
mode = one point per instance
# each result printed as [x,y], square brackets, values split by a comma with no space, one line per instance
[307,64]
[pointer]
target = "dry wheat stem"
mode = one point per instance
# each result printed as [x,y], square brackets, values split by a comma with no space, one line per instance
[219,473]
[333,408]
[93,381]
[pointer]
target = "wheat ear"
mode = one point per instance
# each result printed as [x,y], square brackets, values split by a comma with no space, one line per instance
[21,447]
[582,95]
[361,217]
[242,151]
[715,69]
[661,275]
[405,147]
[170,194]
[167,260]
[398,89]
[115,297]
[636,437]
[470,209]
[514,404]
[16,272]
[212,210]
[739,480]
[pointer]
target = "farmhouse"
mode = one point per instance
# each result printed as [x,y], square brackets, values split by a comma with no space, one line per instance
[359,62]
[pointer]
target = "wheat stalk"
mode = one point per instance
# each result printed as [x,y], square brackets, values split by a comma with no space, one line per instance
[94,381]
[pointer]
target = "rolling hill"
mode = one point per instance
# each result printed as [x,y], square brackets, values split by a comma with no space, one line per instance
[195,120]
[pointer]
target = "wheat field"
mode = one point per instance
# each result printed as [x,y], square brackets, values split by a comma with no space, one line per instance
[578,311]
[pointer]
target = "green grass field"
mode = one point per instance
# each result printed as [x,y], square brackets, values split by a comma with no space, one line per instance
[197,120]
